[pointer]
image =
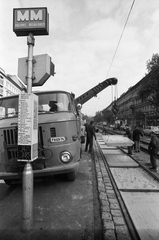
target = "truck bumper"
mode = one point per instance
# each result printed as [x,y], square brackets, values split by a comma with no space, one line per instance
[43,172]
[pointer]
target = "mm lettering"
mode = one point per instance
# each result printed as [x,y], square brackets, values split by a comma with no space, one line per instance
[29,15]
[30,20]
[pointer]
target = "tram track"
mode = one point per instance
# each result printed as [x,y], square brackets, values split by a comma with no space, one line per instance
[144,141]
[127,218]
[131,182]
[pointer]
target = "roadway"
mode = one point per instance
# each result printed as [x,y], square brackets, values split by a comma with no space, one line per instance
[62,209]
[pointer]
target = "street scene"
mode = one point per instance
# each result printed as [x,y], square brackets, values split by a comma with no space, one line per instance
[79,120]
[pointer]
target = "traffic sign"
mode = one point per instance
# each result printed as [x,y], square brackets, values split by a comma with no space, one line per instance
[43,68]
[30,20]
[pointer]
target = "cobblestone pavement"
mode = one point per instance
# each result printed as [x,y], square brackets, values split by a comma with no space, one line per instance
[114,226]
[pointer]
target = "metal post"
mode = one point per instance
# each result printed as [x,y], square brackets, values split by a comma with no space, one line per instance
[30,43]
[27,206]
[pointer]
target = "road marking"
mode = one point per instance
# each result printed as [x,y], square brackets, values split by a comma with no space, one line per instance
[1,181]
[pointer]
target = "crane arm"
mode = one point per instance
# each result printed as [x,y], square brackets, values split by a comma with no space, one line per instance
[95,90]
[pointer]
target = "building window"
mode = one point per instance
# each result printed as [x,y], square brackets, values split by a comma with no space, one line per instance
[1,82]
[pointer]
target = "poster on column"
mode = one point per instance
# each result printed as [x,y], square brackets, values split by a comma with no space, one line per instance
[28,127]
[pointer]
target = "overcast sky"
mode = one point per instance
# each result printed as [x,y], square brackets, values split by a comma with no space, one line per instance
[83,36]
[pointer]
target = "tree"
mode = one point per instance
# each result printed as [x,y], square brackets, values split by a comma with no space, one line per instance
[104,116]
[149,90]
[98,117]
[108,116]
[87,118]
[153,63]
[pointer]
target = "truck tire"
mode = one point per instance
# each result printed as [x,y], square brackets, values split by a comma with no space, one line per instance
[71,176]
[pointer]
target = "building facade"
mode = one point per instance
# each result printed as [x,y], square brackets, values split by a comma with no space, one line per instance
[10,84]
[133,110]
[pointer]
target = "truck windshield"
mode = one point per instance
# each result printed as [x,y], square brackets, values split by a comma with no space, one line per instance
[48,102]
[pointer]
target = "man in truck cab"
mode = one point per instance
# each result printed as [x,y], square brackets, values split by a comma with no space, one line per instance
[53,106]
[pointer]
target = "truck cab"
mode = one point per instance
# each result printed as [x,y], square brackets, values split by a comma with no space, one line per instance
[59,144]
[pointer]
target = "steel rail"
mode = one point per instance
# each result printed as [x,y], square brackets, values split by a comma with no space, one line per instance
[132,230]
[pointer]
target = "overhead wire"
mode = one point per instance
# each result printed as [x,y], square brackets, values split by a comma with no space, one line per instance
[121,36]
[116,90]
[115,96]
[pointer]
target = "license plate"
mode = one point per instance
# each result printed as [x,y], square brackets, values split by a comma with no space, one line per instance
[57,139]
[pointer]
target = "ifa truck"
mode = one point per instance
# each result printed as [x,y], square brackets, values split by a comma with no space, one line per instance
[59,134]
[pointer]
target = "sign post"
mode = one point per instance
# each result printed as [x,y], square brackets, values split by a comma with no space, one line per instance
[30,43]
[29,22]
[27,208]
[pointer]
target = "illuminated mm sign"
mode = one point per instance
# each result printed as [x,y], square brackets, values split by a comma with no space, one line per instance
[30,20]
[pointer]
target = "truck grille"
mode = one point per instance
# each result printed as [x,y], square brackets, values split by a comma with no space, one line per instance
[11,151]
[11,136]
[53,132]
[40,137]
[11,142]
[10,146]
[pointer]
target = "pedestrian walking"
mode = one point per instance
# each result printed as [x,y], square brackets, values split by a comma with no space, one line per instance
[136,138]
[90,129]
[153,150]
[129,134]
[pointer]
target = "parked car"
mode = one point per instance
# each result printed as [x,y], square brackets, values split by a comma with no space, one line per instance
[149,129]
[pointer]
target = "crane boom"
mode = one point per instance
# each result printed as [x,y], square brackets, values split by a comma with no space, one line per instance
[95,90]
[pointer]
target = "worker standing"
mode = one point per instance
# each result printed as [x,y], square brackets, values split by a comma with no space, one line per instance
[90,129]
[136,138]
[128,133]
[153,150]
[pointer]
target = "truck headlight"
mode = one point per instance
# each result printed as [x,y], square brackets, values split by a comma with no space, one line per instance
[65,157]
